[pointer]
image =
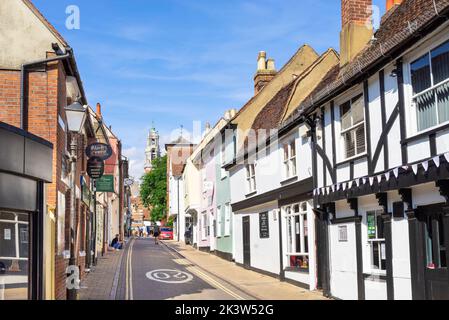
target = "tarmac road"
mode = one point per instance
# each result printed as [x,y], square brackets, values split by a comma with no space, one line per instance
[154,272]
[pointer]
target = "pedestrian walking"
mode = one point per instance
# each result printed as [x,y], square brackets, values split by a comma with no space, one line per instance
[156,234]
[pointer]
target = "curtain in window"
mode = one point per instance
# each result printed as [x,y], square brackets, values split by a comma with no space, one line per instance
[427,116]
[440,63]
[443,102]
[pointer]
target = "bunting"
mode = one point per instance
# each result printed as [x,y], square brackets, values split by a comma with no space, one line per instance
[436,160]
[425,165]
[415,169]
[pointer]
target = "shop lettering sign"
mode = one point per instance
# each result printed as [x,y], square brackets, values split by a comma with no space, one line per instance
[105,184]
[95,168]
[99,150]
[264,225]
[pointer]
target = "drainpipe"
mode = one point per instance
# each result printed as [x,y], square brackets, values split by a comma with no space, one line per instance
[179,213]
[24,68]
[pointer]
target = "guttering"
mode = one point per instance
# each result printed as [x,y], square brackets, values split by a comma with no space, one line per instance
[73,68]
[24,68]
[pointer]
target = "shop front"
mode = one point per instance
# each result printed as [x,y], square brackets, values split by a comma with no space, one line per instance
[25,167]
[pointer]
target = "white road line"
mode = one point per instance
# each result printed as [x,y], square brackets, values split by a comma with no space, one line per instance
[129,273]
[207,278]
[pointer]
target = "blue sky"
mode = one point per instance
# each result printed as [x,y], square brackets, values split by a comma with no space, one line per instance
[178,61]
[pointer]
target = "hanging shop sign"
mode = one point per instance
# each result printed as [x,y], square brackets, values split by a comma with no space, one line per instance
[105,184]
[95,168]
[128,182]
[99,150]
[264,225]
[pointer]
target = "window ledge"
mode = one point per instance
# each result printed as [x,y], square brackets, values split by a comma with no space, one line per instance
[375,276]
[251,194]
[289,180]
[354,158]
[425,133]
[291,269]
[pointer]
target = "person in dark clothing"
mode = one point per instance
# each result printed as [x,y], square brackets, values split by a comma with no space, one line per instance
[156,234]
[116,243]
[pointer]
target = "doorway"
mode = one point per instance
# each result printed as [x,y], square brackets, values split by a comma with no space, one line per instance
[435,237]
[246,242]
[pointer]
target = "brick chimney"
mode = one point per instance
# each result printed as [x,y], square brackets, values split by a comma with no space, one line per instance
[266,71]
[357,28]
[99,111]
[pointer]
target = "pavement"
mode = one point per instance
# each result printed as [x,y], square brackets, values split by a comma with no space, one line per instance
[259,286]
[101,282]
[173,271]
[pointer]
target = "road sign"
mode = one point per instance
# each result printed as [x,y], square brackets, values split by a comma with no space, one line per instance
[95,168]
[99,150]
[169,276]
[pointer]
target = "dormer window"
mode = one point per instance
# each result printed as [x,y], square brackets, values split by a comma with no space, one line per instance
[430,82]
[353,127]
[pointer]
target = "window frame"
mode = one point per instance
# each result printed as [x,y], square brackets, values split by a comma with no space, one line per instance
[433,87]
[375,241]
[251,185]
[351,98]
[290,168]
[289,215]
[219,222]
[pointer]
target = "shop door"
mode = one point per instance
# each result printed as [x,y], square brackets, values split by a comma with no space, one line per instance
[246,242]
[436,242]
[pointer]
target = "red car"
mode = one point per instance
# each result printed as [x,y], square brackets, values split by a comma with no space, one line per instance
[166,233]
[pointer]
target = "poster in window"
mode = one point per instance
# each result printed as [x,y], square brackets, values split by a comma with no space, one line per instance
[264,225]
[343,234]
[7,234]
[371,222]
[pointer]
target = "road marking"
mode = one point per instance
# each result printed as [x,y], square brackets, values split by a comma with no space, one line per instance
[182,262]
[129,273]
[206,278]
[169,276]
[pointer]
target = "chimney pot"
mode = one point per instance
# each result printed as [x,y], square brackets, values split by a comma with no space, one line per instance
[271,65]
[392,3]
[261,61]
[99,110]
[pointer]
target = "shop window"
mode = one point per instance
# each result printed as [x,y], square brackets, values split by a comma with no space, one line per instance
[435,243]
[430,82]
[376,240]
[14,256]
[297,236]
[290,159]
[353,127]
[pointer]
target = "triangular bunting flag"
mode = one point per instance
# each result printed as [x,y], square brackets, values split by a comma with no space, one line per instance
[357,183]
[345,186]
[446,156]
[387,176]
[371,181]
[338,186]
[405,167]
[415,169]
[425,165]
[396,172]
[436,160]
[379,178]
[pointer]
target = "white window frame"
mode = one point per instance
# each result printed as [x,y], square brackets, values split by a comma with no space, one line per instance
[291,231]
[15,224]
[353,128]
[251,178]
[227,231]
[289,159]
[204,226]
[433,87]
[223,160]
[219,222]
[379,242]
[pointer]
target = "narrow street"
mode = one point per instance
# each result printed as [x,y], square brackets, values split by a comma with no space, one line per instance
[154,272]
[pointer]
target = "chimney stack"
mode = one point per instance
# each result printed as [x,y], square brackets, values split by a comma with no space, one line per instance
[357,28]
[392,3]
[99,111]
[266,71]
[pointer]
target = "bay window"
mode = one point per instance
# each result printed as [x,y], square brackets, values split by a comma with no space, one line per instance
[353,127]
[376,240]
[290,159]
[297,241]
[430,83]
[251,178]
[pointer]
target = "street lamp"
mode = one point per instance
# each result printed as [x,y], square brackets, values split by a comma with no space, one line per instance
[76,116]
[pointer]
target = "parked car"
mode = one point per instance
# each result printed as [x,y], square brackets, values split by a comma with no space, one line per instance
[166,233]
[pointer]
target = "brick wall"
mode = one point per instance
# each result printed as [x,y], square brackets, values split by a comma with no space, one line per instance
[356,11]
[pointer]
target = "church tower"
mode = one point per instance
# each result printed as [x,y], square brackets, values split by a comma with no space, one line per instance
[152,151]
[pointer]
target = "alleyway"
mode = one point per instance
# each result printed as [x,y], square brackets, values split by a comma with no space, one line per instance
[145,271]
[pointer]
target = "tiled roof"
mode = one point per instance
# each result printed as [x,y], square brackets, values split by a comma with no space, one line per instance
[402,25]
